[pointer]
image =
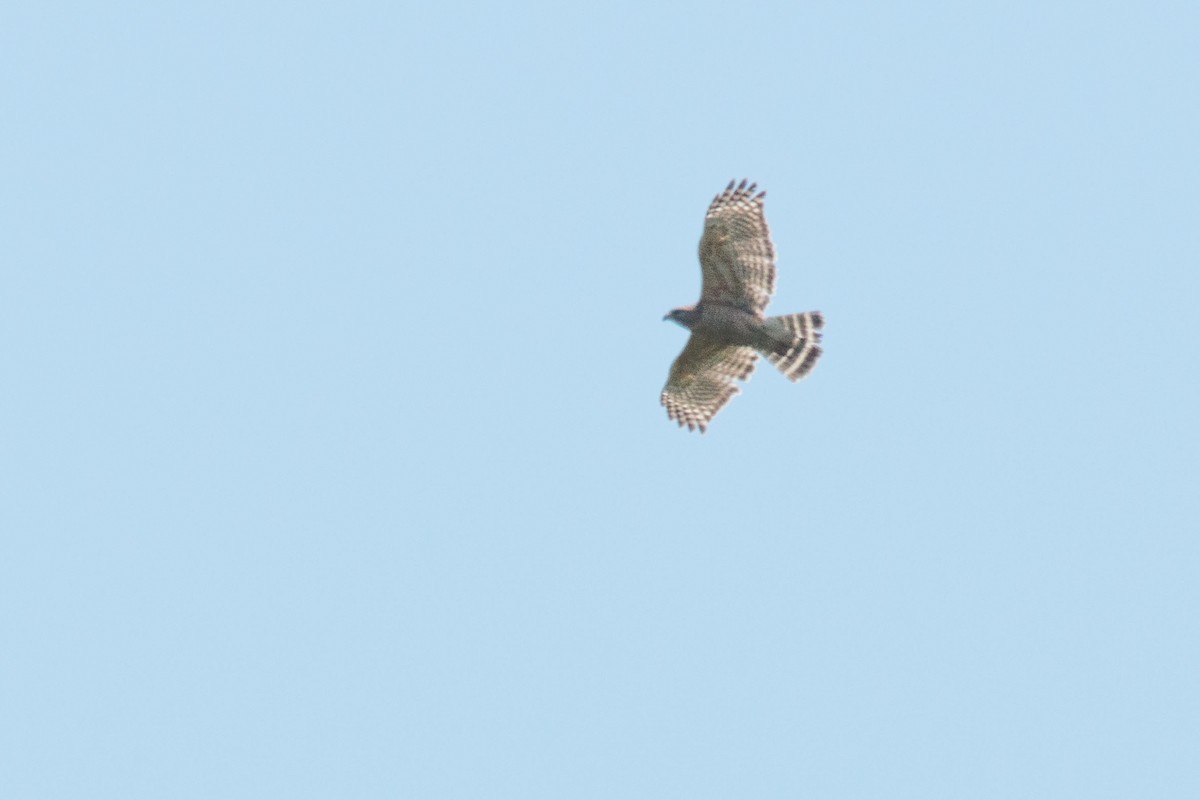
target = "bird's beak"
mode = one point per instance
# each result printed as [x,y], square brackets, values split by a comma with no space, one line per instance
[666,316]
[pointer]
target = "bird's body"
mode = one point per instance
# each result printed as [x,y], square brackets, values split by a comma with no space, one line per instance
[729,328]
[736,326]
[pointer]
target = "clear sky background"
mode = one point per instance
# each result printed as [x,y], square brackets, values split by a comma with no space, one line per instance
[332,460]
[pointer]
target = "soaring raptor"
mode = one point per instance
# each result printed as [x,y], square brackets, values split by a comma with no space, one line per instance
[729,330]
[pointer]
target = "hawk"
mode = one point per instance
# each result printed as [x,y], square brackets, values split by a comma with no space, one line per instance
[729,330]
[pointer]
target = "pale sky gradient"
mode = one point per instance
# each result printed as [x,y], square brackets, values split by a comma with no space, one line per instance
[332,459]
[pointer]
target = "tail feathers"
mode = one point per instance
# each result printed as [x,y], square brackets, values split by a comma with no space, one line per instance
[795,345]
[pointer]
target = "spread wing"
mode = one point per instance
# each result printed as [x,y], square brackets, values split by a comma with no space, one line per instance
[737,259]
[703,379]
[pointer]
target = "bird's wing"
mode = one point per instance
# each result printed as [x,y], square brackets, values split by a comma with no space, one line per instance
[737,259]
[703,379]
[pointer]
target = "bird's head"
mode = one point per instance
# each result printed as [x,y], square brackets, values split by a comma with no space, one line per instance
[685,316]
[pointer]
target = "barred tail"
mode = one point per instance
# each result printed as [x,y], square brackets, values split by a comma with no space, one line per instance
[794,342]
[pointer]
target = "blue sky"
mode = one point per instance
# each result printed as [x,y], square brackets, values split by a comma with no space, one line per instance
[332,456]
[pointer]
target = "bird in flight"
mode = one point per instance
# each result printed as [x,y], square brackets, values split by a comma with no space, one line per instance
[729,330]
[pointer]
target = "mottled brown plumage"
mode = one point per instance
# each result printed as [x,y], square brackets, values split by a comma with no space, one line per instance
[729,331]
